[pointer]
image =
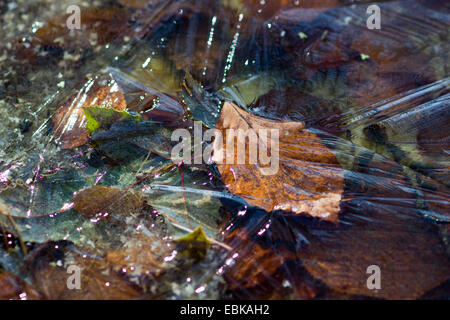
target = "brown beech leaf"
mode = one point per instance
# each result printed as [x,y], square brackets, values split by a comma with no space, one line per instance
[14,288]
[306,179]
[69,120]
[96,200]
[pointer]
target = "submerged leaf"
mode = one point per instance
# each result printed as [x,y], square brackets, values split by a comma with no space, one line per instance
[377,98]
[103,200]
[98,117]
[101,24]
[196,236]
[195,243]
[141,255]
[409,253]
[14,288]
[49,271]
[305,175]
[69,121]
[255,264]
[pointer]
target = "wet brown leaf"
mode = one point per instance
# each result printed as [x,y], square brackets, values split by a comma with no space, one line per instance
[308,180]
[202,56]
[255,263]
[411,261]
[382,227]
[260,270]
[375,64]
[143,254]
[48,268]
[99,26]
[14,288]
[69,121]
[95,200]
[368,84]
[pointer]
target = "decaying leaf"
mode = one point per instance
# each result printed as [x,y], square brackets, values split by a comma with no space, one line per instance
[142,255]
[255,263]
[307,178]
[133,260]
[410,255]
[102,25]
[262,264]
[49,270]
[203,58]
[14,288]
[312,110]
[325,87]
[101,200]
[69,121]
[380,225]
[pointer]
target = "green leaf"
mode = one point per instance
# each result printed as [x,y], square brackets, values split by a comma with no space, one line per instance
[364,56]
[98,117]
[194,244]
[195,237]
[302,35]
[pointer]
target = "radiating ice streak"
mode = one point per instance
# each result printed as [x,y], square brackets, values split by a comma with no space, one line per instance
[399,122]
[72,114]
[121,76]
[407,97]
[45,104]
[216,194]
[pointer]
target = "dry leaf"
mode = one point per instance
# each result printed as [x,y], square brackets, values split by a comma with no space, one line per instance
[69,120]
[308,181]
